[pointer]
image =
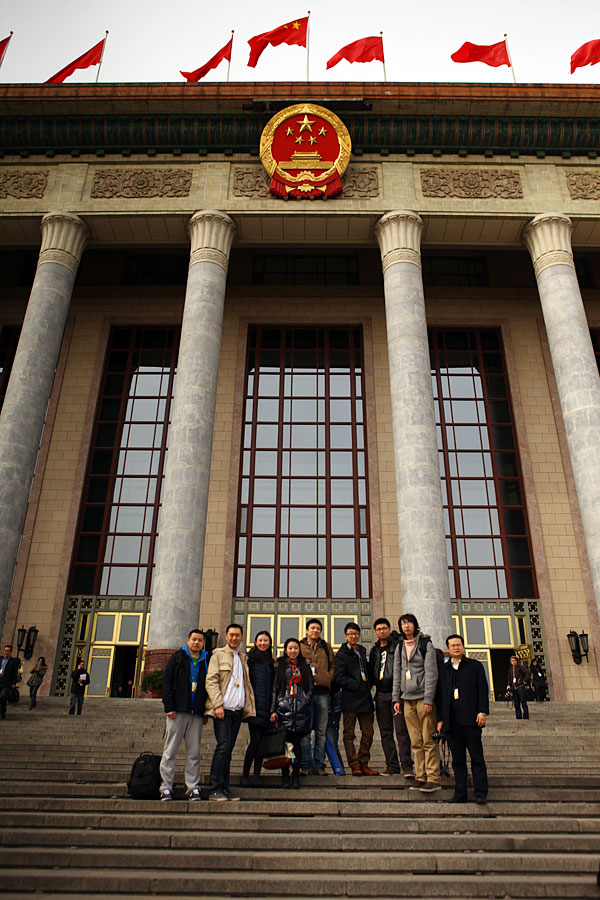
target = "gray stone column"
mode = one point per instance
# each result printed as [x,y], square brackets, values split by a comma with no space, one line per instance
[64,237]
[548,239]
[423,563]
[180,545]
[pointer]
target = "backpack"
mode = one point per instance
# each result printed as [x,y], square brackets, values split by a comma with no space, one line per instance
[144,783]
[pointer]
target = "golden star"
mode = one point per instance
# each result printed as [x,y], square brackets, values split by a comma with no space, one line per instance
[296,25]
[290,131]
[312,139]
[323,131]
[299,140]
[305,123]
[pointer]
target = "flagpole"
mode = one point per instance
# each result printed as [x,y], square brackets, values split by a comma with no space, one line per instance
[229,60]
[6,48]
[512,68]
[383,60]
[308,45]
[101,58]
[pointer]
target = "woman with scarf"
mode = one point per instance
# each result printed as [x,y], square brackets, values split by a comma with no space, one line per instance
[261,671]
[290,705]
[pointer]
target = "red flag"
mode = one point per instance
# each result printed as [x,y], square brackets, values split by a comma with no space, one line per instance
[364,50]
[3,46]
[490,54]
[224,53]
[587,55]
[292,33]
[91,58]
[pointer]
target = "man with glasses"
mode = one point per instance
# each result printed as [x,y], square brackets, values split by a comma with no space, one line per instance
[351,672]
[381,664]
[319,656]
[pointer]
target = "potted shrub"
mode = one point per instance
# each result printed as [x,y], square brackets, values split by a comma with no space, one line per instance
[153,682]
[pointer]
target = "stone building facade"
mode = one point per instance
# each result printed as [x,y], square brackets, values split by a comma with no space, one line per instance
[220,405]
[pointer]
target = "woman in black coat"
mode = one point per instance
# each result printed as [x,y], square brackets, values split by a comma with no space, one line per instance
[261,671]
[290,706]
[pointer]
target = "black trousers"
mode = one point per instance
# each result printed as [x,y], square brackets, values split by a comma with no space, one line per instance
[388,725]
[256,733]
[460,739]
[226,732]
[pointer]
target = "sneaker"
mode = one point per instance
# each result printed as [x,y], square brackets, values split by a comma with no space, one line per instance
[193,794]
[389,772]
[219,796]
[408,773]
[417,786]
[429,787]
[229,796]
[356,769]
[481,801]
[305,771]
[367,771]
[322,771]
[166,795]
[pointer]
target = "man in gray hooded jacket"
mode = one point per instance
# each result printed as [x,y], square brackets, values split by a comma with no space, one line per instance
[415,682]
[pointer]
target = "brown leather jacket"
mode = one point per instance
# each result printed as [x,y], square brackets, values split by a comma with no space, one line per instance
[521,673]
[321,657]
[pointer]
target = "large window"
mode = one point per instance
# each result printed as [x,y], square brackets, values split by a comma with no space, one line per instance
[487,532]
[303,525]
[114,553]
[9,338]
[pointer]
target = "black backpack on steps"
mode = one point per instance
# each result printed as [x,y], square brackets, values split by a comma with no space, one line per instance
[144,783]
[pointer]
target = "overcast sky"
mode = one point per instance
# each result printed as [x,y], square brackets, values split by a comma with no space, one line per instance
[151,40]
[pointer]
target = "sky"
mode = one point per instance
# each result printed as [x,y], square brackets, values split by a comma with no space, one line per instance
[152,40]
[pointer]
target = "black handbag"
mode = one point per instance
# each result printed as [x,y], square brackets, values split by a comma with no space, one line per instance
[272,742]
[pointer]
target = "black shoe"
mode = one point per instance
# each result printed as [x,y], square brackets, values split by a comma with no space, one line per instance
[458,800]
[286,781]
[481,801]
[296,779]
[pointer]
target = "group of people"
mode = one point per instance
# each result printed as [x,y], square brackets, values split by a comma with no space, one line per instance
[520,680]
[10,675]
[420,694]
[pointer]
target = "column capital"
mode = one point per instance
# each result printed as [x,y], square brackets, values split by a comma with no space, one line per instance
[64,236]
[398,234]
[548,239]
[211,235]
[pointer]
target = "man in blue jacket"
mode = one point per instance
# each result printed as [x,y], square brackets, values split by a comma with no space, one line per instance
[463,716]
[184,698]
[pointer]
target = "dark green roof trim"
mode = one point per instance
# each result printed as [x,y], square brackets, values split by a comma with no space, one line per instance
[31,135]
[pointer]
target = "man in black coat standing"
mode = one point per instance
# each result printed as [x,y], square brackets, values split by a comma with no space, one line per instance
[464,711]
[9,672]
[351,673]
[184,699]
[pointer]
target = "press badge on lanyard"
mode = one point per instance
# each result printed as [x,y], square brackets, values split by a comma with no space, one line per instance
[194,686]
[408,675]
[456,693]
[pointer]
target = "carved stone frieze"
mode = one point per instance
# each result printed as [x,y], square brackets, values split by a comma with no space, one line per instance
[472,183]
[361,182]
[250,181]
[23,184]
[136,183]
[584,185]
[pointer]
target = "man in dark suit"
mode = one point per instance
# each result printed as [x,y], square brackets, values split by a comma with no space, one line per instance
[9,671]
[464,711]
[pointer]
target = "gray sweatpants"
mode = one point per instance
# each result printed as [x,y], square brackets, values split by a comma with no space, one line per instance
[188,728]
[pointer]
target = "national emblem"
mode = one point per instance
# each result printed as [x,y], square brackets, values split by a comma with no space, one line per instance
[295,170]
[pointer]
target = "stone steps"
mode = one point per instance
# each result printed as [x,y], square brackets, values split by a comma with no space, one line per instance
[64,798]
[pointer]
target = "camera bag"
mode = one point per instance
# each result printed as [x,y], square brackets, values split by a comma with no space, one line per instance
[144,782]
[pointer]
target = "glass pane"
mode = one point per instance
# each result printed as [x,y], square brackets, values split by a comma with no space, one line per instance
[126,549]
[268,386]
[342,521]
[476,521]
[265,490]
[341,463]
[261,582]
[263,520]
[266,436]
[263,551]
[304,492]
[304,436]
[342,491]
[128,518]
[483,583]
[128,632]
[265,462]
[303,521]
[268,410]
[522,583]
[302,583]
[303,552]
[475,632]
[340,437]
[518,552]
[339,385]
[303,463]
[99,669]
[104,628]
[342,552]
[304,411]
[122,580]
[304,385]
[340,410]
[343,583]
[500,630]
[480,552]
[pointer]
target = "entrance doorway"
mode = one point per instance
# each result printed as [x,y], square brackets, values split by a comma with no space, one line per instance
[500,660]
[123,671]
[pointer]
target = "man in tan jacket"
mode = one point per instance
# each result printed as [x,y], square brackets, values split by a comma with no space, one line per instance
[230,699]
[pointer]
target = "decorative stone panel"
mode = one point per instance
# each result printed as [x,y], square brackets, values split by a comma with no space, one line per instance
[250,181]
[23,185]
[472,183]
[584,185]
[138,183]
[361,182]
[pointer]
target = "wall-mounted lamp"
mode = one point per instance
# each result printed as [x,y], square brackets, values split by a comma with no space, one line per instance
[579,645]
[27,637]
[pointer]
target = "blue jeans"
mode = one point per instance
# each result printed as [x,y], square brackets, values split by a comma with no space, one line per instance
[226,732]
[520,700]
[313,756]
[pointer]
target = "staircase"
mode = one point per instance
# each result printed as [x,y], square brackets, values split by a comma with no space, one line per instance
[68,827]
